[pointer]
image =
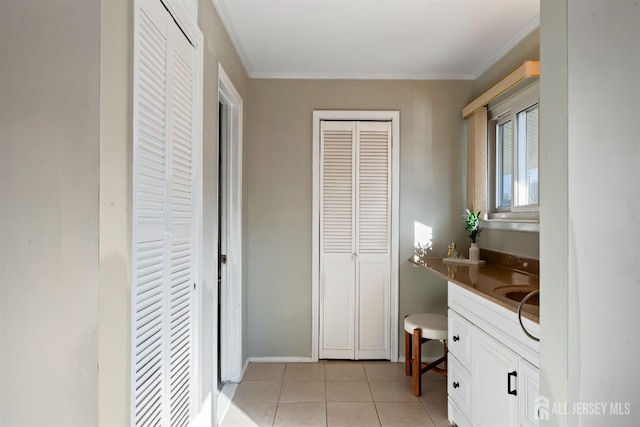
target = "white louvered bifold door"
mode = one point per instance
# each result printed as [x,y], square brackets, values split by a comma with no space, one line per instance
[373,242]
[163,221]
[355,239]
[180,294]
[337,239]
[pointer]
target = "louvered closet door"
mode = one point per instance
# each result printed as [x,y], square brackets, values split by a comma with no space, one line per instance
[163,221]
[337,243]
[180,291]
[373,240]
[355,206]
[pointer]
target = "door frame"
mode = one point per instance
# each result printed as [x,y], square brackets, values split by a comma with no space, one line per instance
[231,304]
[356,115]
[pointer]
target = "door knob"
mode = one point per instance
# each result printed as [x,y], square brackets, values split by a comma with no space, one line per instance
[354,256]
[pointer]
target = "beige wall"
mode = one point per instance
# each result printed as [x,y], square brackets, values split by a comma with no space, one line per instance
[49,87]
[116,118]
[514,242]
[280,180]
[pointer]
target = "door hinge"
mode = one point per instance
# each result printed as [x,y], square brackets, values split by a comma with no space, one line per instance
[223,259]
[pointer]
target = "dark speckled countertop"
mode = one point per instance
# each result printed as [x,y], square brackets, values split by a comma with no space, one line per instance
[491,281]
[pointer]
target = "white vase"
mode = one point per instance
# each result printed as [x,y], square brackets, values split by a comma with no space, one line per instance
[474,253]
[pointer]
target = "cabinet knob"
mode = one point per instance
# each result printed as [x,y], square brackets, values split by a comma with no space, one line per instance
[456,338]
[456,384]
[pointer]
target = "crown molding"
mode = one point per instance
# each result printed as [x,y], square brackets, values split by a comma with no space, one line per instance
[361,76]
[529,28]
[227,23]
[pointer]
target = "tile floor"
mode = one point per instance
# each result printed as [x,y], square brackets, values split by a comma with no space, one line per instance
[336,393]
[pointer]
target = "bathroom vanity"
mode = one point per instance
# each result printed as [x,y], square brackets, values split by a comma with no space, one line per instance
[493,365]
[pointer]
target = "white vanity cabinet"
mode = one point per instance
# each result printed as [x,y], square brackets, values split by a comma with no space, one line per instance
[493,374]
[495,399]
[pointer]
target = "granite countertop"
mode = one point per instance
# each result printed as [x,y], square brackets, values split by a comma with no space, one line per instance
[490,281]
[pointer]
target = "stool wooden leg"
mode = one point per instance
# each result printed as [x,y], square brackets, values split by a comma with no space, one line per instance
[417,360]
[407,353]
[446,355]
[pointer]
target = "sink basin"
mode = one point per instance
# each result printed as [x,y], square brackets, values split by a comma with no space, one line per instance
[518,295]
[517,292]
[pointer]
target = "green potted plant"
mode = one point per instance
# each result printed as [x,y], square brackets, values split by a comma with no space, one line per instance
[472,220]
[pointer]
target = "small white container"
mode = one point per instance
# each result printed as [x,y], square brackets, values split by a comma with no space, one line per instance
[474,253]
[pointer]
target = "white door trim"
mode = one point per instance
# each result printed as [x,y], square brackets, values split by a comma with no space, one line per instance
[394,117]
[231,339]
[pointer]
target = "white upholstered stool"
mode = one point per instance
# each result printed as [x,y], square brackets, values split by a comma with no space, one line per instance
[418,329]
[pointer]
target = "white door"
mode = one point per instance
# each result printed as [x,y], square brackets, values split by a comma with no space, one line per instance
[355,239]
[495,383]
[164,235]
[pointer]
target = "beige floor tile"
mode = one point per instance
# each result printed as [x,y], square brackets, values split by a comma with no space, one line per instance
[434,393]
[264,372]
[303,391]
[304,372]
[250,414]
[433,376]
[392,391]
[352,414]
[438,413]
[302,388]
[301,415]
[384,371]
[257,391]
[405,414]
[348,391]
[344,371]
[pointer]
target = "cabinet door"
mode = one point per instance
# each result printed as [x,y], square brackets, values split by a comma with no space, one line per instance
[495,382]
[528,391]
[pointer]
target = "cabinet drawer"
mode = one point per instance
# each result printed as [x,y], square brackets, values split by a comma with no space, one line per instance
[459,341]
[459,385]
[456,417]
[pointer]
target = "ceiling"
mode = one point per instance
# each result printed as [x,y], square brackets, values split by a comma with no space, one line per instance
[375,39]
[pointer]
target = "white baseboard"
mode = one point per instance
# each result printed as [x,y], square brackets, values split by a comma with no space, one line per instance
[244,369]
[425,359]
[224,401]
[280,360]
